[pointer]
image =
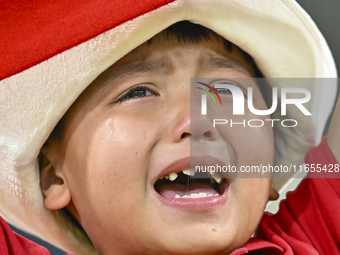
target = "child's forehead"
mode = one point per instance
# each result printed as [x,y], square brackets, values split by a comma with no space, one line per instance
[157,52]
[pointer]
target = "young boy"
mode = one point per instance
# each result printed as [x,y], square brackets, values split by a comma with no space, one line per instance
[102,167]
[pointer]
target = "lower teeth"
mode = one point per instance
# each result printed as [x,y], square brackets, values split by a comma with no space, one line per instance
[195,195]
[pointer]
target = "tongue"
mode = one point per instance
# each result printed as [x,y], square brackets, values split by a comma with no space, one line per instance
[172,189]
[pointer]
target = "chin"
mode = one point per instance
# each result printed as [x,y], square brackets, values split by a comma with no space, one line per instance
[198,243]
[201,249]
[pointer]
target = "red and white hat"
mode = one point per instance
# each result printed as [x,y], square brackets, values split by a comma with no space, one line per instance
[51,51]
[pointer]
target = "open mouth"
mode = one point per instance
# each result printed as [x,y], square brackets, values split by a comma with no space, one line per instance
[191,184]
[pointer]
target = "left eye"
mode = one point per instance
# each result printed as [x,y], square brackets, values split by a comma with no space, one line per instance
[223,91]
[135,92]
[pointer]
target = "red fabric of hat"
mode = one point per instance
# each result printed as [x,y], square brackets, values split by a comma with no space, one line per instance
[35,31]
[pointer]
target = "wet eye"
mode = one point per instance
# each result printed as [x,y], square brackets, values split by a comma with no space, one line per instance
[135,92]
[140,92]
[225,91]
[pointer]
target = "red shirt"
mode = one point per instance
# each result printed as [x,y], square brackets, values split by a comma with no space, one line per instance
[308,222]
[12,243]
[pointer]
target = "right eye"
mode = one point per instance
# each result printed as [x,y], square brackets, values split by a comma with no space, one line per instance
[139,91]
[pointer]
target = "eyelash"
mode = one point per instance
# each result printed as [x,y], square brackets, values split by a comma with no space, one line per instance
[125,95]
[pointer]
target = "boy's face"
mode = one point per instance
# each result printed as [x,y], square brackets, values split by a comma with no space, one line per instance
[112,153]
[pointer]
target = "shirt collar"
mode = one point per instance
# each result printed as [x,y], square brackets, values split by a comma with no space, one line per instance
[255,244]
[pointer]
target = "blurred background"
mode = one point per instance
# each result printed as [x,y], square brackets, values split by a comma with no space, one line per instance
[326,16]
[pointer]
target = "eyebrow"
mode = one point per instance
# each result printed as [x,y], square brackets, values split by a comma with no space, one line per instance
[221,62]
[135,69]
[164,64]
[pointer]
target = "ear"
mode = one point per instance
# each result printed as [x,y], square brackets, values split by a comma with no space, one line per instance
[273,194]
[52,183]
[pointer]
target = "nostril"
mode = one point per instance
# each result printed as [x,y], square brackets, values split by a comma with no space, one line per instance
[207,134]
[184,135]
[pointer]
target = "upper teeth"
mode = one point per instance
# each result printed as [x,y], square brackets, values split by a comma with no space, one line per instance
[190,172]
[173,176]
[217,176]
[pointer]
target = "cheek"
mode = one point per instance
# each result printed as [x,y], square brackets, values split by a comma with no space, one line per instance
[255,146]
[252,145]
[248,197]
[107,168]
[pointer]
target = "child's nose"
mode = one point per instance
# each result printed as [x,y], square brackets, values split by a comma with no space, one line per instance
[191,124]
[201,127]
